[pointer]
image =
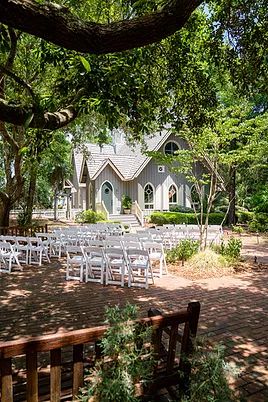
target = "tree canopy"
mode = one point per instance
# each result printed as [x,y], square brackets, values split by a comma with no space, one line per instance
[236,39]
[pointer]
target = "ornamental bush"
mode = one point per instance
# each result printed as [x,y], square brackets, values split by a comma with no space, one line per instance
[259,223]
[244,216]
[231,249]
[176,218]
[183,251]
[89,216]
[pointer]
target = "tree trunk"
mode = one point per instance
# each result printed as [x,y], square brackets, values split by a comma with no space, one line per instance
[30,197]
[231,192]
[55,205]
[5,208]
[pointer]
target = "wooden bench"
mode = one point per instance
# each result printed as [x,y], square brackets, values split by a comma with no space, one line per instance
[172,341]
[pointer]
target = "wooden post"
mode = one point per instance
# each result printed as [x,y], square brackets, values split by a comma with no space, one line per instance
[157,333]
[187,345]
[6,375]
[55,375]
[32,377]
[78,368]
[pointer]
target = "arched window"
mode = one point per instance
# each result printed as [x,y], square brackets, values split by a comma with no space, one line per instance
[172,195]
[148,196]
[171,147]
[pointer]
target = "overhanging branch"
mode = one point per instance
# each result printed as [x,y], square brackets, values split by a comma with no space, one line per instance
[19,115]
[56,24]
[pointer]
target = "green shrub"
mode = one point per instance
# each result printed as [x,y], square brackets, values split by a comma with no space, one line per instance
[123,363]
[259,201]
[230,250]
[237,229]
[244,216]
[89,216]
[183,251]
[180,208]
[259,223]
[126,202]
[210,374]
[158,218]
[162,218]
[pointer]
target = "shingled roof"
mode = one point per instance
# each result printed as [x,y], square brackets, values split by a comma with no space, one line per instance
[125,159]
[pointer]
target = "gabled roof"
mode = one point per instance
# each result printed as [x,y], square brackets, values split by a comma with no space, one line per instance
[126,160]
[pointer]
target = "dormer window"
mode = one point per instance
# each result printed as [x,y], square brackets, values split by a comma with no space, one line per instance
[171,147]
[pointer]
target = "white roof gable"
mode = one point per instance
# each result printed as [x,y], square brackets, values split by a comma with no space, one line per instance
[127,160]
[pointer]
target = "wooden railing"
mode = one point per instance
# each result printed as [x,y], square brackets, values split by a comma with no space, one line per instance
[166,372]
[100,207]
[22,231]
[138,212]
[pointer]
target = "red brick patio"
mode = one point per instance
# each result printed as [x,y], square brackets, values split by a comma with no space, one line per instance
[233,310]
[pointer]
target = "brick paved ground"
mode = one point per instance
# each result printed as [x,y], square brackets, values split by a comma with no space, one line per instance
[234,310]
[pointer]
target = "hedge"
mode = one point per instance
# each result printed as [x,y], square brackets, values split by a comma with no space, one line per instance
[164,218]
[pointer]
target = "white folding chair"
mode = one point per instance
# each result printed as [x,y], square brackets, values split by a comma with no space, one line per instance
[95,263]
[7,257]
[75,263]
[37,251]
[22,247]
[116,266]
[157,256]
[139,268]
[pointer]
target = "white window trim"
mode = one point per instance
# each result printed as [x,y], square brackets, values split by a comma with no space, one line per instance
[177,194]
[153,204]
[168,142]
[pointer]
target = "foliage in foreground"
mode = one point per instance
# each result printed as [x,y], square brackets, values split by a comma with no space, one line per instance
[183,251]
[123,363]
[89,216]
[209,376]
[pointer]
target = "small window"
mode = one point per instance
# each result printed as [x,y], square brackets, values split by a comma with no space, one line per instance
[148,197]
[171,147]
[172,195]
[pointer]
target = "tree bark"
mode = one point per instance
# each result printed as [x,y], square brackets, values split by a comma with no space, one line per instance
[55,205]
[19,115]
[232,196]
[58,25]
[29,202]
[5,208]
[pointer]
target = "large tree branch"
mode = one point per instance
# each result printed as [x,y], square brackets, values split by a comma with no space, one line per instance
[56,24]
[21,116]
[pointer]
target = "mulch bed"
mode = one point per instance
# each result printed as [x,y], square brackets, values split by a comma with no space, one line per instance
[189,273]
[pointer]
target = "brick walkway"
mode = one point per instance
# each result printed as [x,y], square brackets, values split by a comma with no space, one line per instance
[233,310]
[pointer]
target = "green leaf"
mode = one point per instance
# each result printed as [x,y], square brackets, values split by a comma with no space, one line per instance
[28,120]
[85,64]
[23,150]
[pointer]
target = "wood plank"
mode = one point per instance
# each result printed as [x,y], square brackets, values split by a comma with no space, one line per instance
[6,376]
[55,375]
[78,368]
[55,341]
[32,377]
[187,346]
[172,347]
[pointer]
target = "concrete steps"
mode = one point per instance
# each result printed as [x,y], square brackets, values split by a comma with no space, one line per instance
[125,219]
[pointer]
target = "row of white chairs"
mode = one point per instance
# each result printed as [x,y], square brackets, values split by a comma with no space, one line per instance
[107,265]
[17,250]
